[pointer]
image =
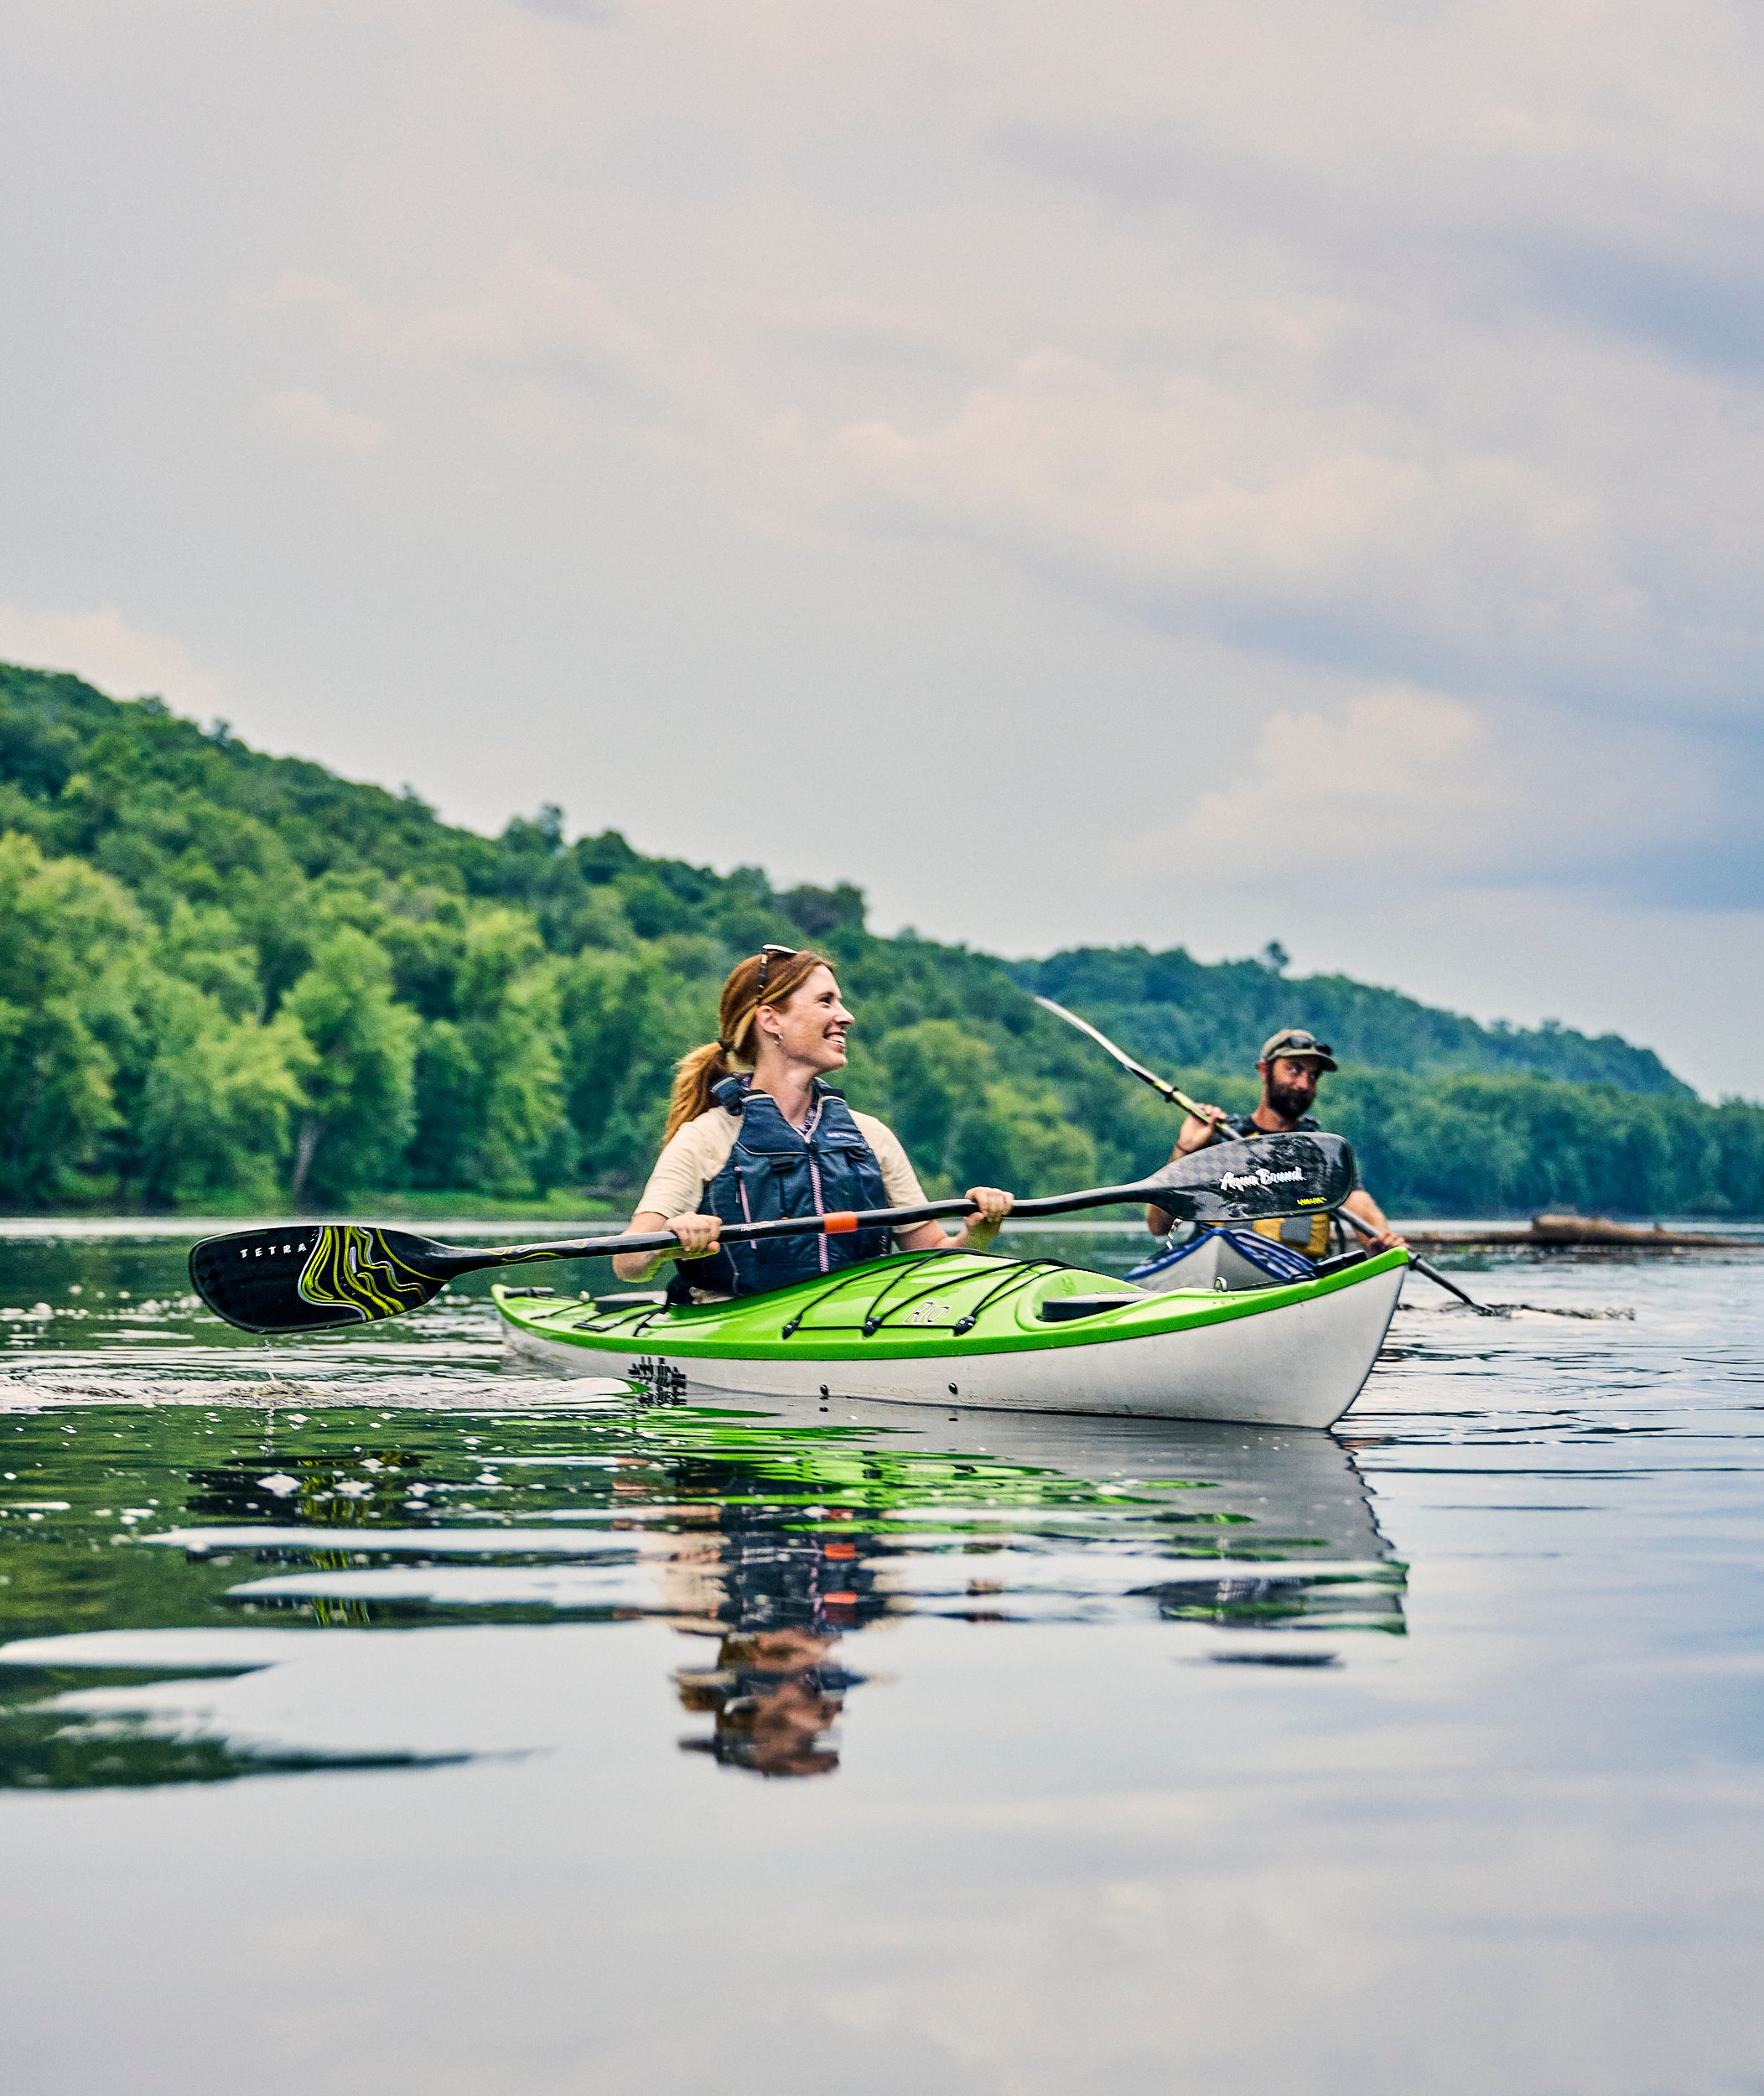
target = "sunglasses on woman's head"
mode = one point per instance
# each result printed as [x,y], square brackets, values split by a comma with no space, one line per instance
[766,953]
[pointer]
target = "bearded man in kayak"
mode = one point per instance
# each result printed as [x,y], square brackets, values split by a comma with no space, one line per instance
[1292,1062]
[753,1133]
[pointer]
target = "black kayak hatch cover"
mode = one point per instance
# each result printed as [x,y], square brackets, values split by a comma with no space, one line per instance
[1058,1309]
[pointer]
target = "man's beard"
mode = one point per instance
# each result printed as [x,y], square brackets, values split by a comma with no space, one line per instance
[1291,1105]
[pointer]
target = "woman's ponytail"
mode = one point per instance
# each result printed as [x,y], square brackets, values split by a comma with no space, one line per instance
[774,975]
[696,1075]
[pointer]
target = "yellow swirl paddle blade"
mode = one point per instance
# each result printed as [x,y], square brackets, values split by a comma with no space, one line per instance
[303,1277]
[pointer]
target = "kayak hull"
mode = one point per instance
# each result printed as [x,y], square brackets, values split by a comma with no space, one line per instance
[1294,1356]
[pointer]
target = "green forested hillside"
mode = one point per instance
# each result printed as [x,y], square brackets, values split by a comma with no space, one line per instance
[1182,1010]
[229,981]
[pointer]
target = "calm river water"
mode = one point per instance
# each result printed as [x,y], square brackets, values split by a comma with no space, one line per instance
[374,1720]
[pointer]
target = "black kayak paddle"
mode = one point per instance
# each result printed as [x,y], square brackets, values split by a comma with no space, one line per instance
[302,1277]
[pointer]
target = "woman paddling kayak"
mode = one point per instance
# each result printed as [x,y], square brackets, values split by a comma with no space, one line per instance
[753,1133]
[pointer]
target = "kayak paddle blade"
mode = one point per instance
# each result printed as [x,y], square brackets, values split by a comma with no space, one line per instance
[1245,1181]
[309,1277]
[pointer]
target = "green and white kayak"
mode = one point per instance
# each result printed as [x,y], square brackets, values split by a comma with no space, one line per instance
[1008,1335]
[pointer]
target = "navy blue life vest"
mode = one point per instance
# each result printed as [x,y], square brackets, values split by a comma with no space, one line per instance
[774,1171]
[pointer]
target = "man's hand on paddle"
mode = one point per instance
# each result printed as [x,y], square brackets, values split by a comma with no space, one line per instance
[1195,1132]
[1361,1204]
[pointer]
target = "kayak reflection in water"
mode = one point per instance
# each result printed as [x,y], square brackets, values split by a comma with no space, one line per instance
[1263,1542]
[754,1133]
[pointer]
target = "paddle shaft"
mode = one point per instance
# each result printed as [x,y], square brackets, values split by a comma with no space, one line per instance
[1174,1094]
[461,1262]
[1421,1266]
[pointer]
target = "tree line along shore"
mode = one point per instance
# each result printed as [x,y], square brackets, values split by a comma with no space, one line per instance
[235,984]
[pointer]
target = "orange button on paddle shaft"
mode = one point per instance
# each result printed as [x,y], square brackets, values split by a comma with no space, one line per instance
[845,1220]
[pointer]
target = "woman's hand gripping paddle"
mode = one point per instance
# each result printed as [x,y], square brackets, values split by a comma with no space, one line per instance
[303,1277]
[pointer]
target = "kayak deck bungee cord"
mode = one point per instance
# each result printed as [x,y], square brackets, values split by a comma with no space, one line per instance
[1013,1334]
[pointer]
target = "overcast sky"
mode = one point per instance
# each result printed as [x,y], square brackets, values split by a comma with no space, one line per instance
[1130,471]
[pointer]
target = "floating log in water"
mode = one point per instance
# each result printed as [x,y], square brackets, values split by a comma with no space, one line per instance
[1568,1231]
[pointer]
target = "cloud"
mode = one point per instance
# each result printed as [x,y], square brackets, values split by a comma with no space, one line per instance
[528,321]
[532,317]
[1509,223]
[128,662]
[1395,778]
[1395,772]
[298,288]
[1436,791]
[1322,527]
[1362,430]
[589,14]
[860,332]
[307,417]
[1695,299]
